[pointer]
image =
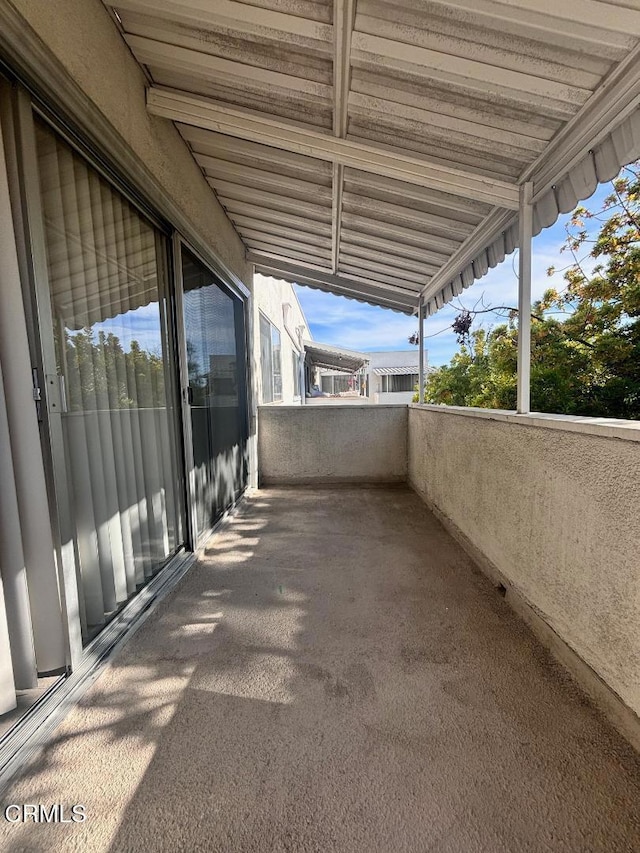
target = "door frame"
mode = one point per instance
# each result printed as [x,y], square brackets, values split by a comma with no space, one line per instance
[178,243]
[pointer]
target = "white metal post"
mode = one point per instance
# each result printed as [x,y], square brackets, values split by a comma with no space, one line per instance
[525,235]
[421,345]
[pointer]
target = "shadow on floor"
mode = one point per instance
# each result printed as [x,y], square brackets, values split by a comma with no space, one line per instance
[334,675]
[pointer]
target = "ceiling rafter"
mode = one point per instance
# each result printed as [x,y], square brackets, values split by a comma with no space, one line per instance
[400,299]
[567,26]
[443,67]
[402,233]
[402,291]
[261,217]
[230,14]
[497,49]
[232,149]
[259,178]
[289,248]
[247,124]
[592,13]
[230,194]
[393,261]
[184,60]
[343,18]
[393,249]
[446,124]
[276,233]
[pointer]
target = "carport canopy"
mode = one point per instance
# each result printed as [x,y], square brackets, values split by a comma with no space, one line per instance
[378,149]
[334,358]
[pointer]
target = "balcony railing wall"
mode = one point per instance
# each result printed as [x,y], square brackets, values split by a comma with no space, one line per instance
[546,505]
[553,506]
[332,444]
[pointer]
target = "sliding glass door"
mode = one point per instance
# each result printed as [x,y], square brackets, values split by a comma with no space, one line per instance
[215,354]
[111,342]
[123,402]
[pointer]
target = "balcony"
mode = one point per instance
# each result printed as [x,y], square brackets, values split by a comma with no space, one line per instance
[337,673]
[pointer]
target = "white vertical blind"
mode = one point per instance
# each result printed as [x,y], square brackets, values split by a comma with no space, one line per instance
[27,565]
[111,346]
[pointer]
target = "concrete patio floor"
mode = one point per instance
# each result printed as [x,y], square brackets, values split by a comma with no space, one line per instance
[334,675]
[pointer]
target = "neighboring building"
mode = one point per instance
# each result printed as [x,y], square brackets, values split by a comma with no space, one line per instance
[392,377]
[333,371]
[291,367]
[384,377]
[279,331]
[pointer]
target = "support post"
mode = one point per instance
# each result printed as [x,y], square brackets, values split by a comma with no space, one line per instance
[525,234]
[421,345]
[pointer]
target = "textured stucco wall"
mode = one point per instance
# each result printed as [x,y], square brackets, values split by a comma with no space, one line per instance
[333,444]
[85,40]
[270,295]
[557,513]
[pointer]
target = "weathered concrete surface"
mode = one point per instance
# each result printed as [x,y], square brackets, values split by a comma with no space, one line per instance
[332,444]
[316,686]
[557,513]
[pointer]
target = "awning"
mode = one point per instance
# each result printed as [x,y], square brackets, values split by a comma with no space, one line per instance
[334,358]
[396,371]
[601,163]
[376,149]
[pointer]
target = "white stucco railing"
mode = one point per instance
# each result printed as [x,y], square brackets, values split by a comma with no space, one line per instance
[332,444]
[552,504]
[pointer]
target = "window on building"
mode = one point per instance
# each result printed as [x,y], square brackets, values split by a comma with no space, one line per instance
[296,364]
[276,363]
[270,361]
[403,382]
[265,360]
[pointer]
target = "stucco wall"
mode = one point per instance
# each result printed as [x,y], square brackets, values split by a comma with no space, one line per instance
[270,296]
[556,512]
[396,397]
[85,40]
[332,444]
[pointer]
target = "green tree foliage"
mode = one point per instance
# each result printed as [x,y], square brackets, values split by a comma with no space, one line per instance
[99,374]
[585,353]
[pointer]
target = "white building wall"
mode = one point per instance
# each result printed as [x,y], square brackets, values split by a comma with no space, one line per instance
[397,397]
[278,302]
[393,358]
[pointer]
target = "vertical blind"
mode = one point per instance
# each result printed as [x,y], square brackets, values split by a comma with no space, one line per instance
[111,340]
[31,635]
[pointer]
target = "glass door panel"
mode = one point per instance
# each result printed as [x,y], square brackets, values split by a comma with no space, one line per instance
[214,337]
[112,345]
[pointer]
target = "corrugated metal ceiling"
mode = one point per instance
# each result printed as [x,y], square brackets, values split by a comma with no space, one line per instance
[374,148]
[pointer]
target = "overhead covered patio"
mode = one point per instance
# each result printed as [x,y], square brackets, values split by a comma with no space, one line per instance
[393,152]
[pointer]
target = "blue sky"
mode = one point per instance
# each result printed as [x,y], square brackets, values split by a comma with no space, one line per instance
[336,320]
